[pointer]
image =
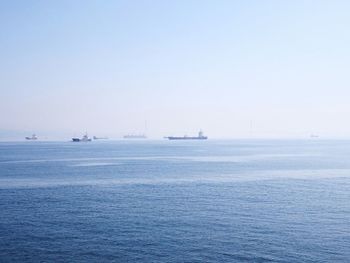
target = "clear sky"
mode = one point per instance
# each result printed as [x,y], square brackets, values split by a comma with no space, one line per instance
[232,68]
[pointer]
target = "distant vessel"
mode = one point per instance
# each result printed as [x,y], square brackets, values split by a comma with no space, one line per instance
[33,138]
[135,136]
[84,139]
[199,137]
[314,136]
[100,138]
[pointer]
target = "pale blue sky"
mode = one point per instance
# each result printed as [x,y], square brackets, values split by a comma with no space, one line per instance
[107,66]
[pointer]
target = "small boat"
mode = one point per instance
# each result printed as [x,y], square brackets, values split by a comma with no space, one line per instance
[84,139]
[33,138]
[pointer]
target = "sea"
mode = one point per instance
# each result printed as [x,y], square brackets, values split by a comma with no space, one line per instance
[175,201]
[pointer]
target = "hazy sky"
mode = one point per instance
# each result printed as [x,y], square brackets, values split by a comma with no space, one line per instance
[232,68]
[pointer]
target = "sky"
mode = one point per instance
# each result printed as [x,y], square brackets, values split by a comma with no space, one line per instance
[236,69]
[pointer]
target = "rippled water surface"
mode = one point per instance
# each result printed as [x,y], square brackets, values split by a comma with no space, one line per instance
[175,201]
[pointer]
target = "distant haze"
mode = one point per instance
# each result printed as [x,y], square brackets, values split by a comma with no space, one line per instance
[232,68]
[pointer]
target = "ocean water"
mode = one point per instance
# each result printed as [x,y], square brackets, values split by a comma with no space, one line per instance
[175,201]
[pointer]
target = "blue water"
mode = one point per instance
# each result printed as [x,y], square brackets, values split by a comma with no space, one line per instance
[162,201]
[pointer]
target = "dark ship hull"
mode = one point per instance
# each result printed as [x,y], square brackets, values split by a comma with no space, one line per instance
[84,139]
[80,140]
[142,136]
[100,138]
[187,138]
[199,137]
[33,138]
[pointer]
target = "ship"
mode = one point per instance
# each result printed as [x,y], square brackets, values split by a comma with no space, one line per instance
[84,139]
[199,137]
[100,138]
[138,135]
[135,136]
[33,138]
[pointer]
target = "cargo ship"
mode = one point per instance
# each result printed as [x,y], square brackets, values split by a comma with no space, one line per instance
[199,137]
[100,138]
[84,139]
[135,136]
